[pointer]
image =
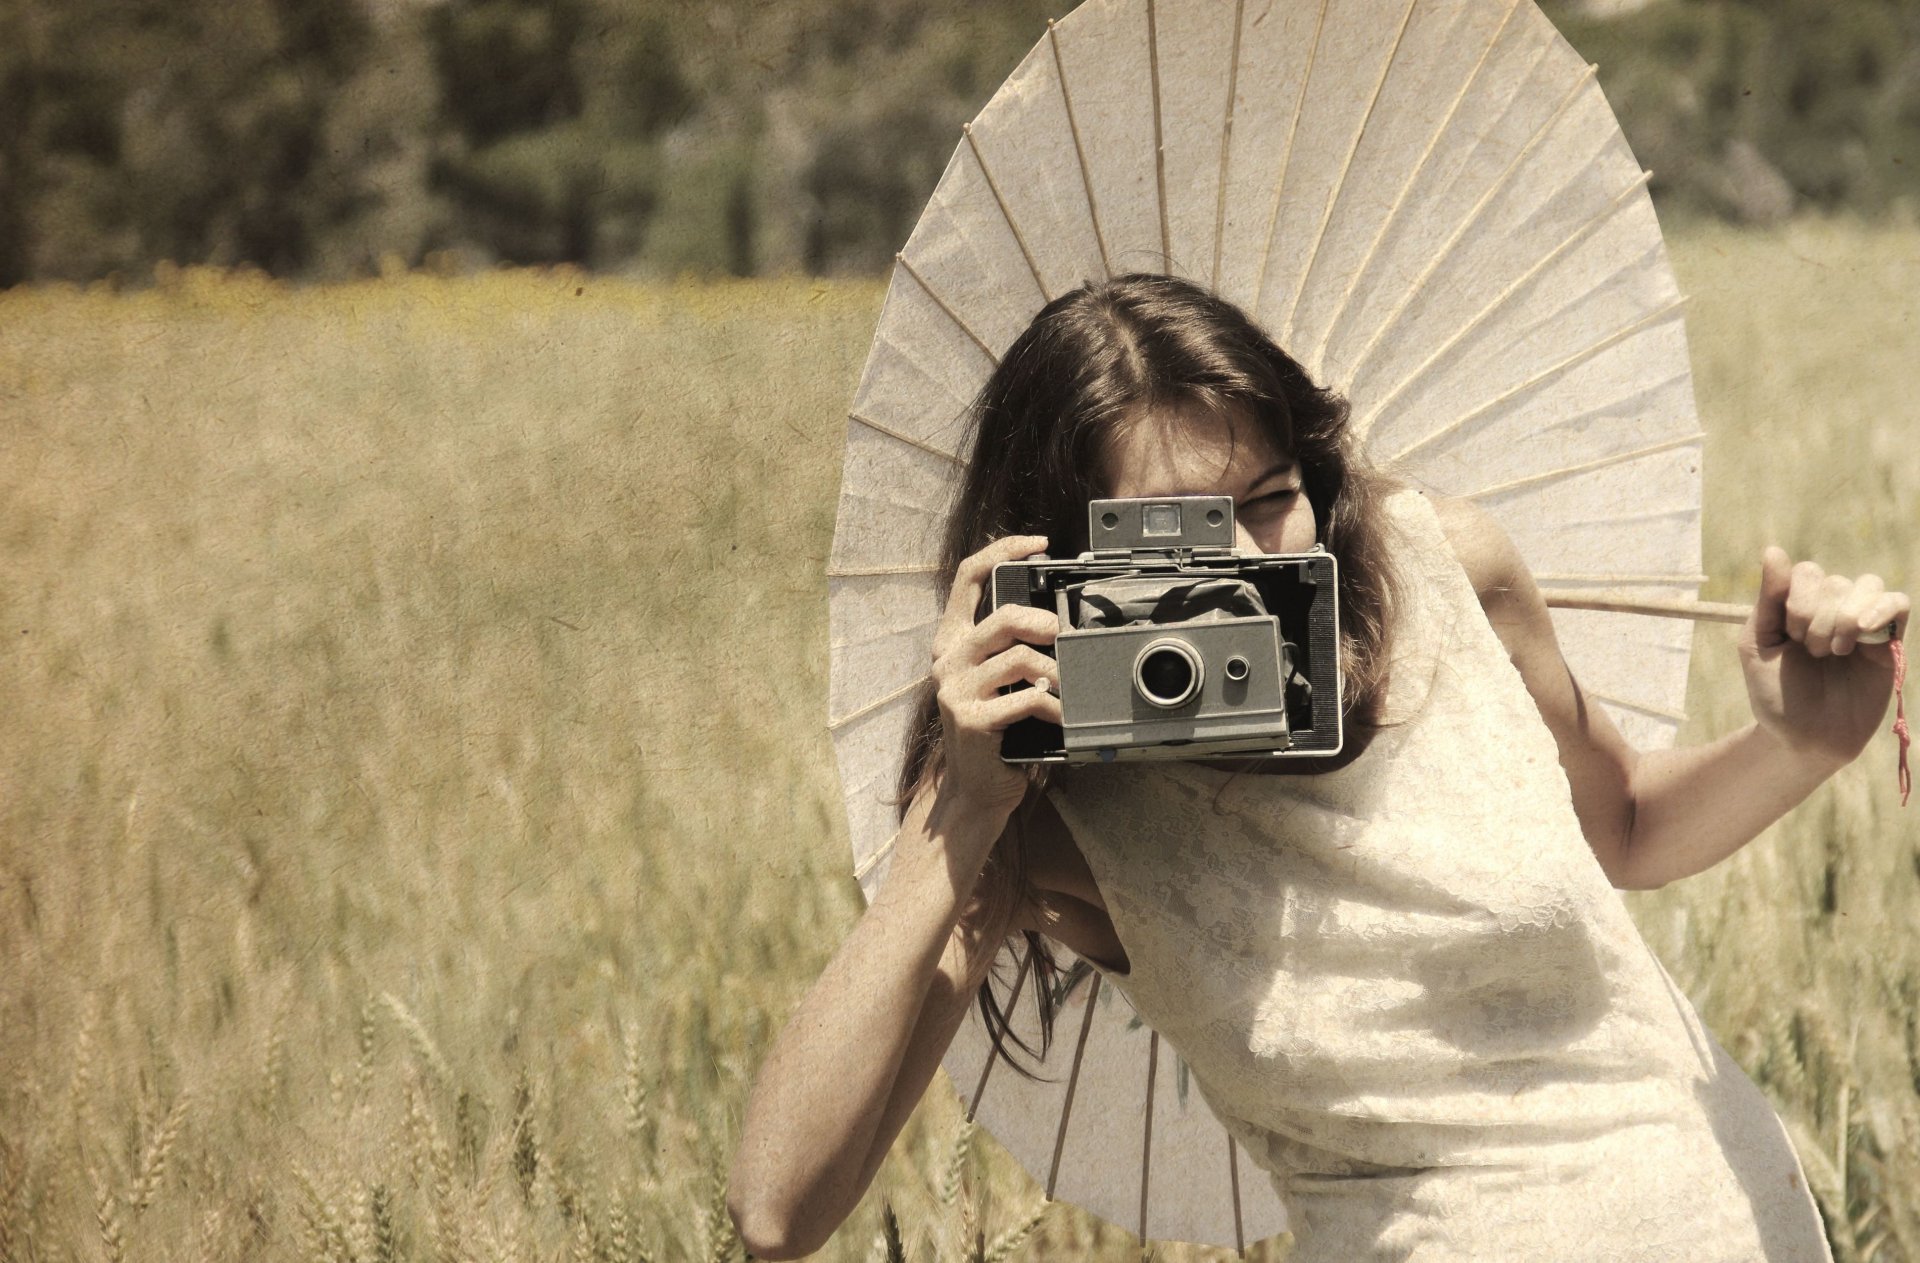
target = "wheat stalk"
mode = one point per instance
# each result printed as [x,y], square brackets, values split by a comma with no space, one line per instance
[383,1236]
[583,1251]
[327,1233]
[951,1183]
[13,1176]
[466,1132]
[890,1229]
[634,1089]
[363,1066]
[146,1111]
[273,1062]
[510,1245]
[153,1163]
[490,1171]
[526,1147]
[213,1232]
[106,1212]
[359,1219]
[1784,1065]
[723,1242]
[433,1160]
[634,1092]
[80,1085]
[422,1043]
[1820,1045]
[618,1249]
[1010,1240]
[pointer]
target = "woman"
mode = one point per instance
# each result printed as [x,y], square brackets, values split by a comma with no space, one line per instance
[1399,976]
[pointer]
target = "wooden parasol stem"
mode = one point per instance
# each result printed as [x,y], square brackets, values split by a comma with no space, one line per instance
[1699,611]
[1627,603]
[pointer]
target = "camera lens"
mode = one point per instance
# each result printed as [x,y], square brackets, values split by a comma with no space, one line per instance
[1167,673]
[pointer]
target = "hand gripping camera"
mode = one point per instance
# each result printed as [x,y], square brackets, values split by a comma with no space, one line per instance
[1175,645]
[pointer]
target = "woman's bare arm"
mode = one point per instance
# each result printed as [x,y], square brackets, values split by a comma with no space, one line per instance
[856,1056]
[1653,816]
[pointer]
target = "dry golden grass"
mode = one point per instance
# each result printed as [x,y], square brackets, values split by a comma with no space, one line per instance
[417,816]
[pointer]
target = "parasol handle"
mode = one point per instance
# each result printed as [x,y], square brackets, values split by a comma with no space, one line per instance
[1699,611]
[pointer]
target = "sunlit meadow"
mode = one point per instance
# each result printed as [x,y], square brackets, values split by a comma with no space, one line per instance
[416,815]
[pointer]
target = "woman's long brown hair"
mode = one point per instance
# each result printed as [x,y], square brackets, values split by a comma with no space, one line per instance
[1089,363]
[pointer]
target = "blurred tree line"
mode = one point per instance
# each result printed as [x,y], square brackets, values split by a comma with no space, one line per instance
[327,138]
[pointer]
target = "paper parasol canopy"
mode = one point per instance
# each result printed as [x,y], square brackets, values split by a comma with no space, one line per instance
[1431,207]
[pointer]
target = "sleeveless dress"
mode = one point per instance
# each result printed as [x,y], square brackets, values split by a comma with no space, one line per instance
[1408,990]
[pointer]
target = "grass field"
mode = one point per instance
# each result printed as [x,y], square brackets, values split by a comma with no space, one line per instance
[415,810]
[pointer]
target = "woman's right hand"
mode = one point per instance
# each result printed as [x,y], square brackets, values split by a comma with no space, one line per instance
[973,661]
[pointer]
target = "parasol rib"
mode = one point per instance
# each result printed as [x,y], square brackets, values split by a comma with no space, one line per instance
[1340,181]
[874,572]
[1226,142]
[1079,150]
[1555,370]
[947,309]
[1019,238]
[866,865]
[1400,199]
[834,725]
[1146,1141]
[1073,1083]
[1159,138]
[1486,199]
[1586,467]
[1233,1181]
[980,1088]
[1286,159]
[1579,234]
[908,439]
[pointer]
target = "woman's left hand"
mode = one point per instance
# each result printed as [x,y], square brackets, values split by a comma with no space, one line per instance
[1812,685]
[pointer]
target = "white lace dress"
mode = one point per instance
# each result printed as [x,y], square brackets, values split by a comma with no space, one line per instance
[1409,991]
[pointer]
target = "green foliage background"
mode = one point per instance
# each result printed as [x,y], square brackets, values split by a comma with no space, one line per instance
[326,138]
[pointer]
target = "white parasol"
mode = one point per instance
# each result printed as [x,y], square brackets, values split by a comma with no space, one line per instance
[1430,205]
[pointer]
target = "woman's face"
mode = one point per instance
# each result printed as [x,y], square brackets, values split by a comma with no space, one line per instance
[1191,451]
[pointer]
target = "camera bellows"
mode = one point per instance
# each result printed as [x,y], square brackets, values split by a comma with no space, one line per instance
[1131,601]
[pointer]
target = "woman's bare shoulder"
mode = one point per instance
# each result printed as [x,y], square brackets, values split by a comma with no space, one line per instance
[1481,547]
[1505,586]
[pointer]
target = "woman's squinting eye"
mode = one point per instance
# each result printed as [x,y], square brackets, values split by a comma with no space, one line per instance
[1270,501]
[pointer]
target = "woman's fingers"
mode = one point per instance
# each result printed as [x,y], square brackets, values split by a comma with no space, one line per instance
[1008,626]
[1825,613]
[970,580]
[1770,610]
[1854,608]
[974,708]
[1824,622]
[1803,599]
[989,662]
[999,631]
[1020,664]
[1885,619]
[994,713]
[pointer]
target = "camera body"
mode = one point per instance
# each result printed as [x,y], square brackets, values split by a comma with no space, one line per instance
[1175,645]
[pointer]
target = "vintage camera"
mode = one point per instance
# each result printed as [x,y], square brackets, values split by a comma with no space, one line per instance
[1175,645]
